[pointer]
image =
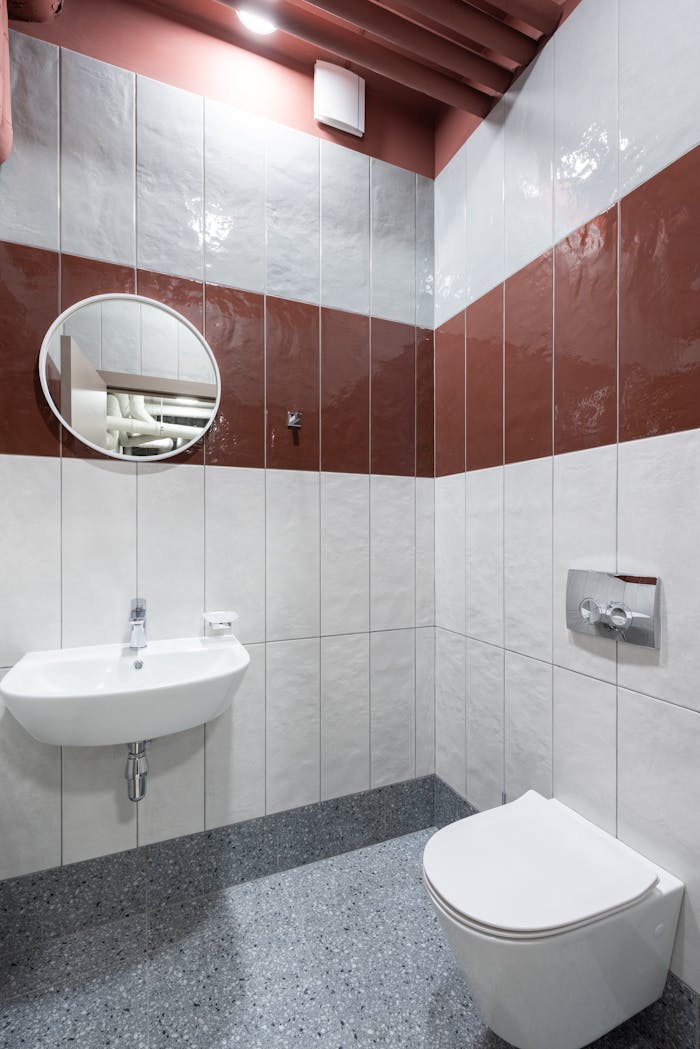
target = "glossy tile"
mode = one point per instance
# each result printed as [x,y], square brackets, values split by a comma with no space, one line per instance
[292,554]
[528,558]
[485,205]
[485,704]
[234,206]
[235,330]
[344,553]
[451,238]
[174,804]
[344,392]
[392,707]
[29,176]
[292,377]
[659,273]
[344,229]
[450,710]
[392,552]
[585,336]
[97,159]
[292,222]
[528,362]
[185,296]
[484,435]
[392,397]
[484,560]
[425,701]
[450,404]
[425,251]
[450,547]
[97,817]
[81,278]
[584,747]
[392,244]
[528,726]
[425,551]
[292,724]
[169,179]
[586,137]
[344,715]
[425,403]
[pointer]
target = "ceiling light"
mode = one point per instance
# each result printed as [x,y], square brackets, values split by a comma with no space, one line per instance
[256,23]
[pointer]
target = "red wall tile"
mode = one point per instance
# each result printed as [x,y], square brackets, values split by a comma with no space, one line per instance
[185,296]
[292,369]
[660,303]
[235,330]
[344,392]
[485,381]
[82,278]
[528,362]
[425,403]
[585,336]
[450,402]
[393,355]
[28,307]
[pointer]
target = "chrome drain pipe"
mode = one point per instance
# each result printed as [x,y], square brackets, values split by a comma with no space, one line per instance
[136,772]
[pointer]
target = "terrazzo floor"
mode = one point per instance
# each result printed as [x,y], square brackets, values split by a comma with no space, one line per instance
[337,954]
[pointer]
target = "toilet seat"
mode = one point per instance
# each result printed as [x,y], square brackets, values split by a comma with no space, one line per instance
[531,869]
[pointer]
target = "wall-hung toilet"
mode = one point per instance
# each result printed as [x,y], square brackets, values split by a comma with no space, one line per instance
[561,930]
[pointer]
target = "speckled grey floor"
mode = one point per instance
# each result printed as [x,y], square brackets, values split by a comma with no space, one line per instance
[337,954]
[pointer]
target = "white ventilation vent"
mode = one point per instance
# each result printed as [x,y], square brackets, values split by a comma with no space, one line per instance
[339,98]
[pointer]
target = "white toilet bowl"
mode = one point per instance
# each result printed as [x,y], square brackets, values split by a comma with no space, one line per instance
[561,930]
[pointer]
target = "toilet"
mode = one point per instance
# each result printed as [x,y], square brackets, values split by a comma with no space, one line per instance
[562,931]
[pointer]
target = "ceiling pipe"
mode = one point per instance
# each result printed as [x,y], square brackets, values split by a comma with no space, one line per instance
[418,41]
[5,93]
[361,52]
[543,15]
[34,10]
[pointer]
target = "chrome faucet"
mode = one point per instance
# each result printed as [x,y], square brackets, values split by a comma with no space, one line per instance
[137,618]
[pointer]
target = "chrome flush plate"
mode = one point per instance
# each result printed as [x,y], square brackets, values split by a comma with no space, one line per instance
[619,607]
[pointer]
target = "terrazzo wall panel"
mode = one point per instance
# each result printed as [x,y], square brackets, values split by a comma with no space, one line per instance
[308,267]
[568,434]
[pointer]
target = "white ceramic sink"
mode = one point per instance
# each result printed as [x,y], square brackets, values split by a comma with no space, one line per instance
[96,696]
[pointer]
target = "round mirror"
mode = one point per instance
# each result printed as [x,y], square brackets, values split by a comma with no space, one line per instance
[129,377]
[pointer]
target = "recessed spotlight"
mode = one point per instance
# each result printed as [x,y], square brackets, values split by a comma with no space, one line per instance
[256,23]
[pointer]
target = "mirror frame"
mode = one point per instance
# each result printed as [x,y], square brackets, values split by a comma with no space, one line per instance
[44,352]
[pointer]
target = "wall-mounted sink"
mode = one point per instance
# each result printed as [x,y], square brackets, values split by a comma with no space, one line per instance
[105,694]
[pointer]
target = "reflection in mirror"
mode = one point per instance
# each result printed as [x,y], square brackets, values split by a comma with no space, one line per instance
[129,376]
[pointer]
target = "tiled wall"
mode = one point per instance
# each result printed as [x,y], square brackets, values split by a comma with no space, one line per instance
[569,312]
[309,269]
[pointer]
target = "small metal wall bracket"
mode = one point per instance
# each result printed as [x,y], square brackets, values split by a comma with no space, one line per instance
[294,419]
[619,607]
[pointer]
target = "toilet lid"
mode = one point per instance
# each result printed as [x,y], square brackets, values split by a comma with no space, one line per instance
[533,866]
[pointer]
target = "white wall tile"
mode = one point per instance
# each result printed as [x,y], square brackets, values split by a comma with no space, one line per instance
[235,546]
[485,700]
[97,159]
[30,562]
[344,553]
[425,551]
[30,800]
[344,228]
[169,179]
[485,554]
[392,246]
[528,163]
[659,506]
[425,701]
[586,147]
[450,710]
[171,548]
[292,724]
[451,238]
[425,252]
[659,801]
[659,86]
[585,746]
[484,233]
[392,707]
[29,176]
[344,715]
[98,550]
[450,552]
[292,214]
[392,552]
[528,726]
[234,749]
[174,804]
[234,167]
[528,557]
[292,557]
[585,536]
[97,816]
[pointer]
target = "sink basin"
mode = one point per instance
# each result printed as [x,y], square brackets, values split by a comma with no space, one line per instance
[97,696]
